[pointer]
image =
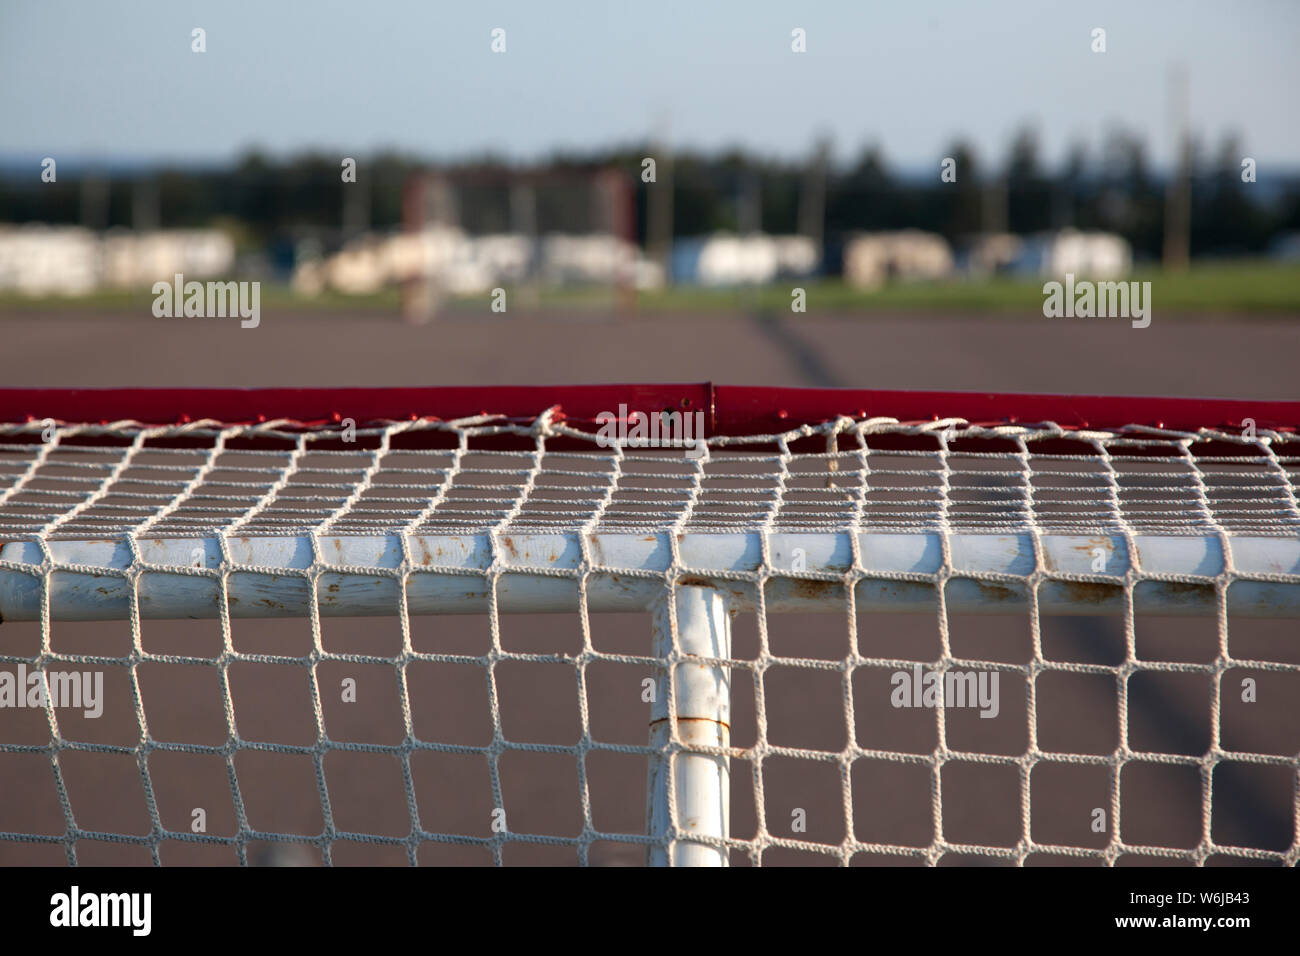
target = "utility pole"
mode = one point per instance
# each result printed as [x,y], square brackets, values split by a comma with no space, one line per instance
[523,222]
[145,204]
[94,199]
[812,200]
[356,206]
[1178,187]
[749,223]
[749,204]
[996,198]
[659,206]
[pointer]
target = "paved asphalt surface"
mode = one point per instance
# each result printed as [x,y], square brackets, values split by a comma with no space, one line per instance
[1178,355]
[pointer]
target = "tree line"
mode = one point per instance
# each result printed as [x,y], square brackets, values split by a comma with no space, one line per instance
[263,199]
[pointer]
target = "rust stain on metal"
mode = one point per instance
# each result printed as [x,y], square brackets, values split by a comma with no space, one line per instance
[510,546]
[996,593]
[1182,590]
[815,590]
[1092,592]
[691,580]
[1087,548]
[1094,543]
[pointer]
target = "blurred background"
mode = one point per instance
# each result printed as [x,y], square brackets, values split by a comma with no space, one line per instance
[710,155]
[917,173]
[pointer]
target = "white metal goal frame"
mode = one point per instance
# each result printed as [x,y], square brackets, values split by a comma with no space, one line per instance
[137,504]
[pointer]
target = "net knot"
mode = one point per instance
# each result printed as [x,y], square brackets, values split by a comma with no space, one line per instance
[545,425]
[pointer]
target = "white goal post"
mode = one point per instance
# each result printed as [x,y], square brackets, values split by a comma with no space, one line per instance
[692,506]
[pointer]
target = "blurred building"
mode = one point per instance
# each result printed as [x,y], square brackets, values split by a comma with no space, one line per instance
[726,260]
[139,259]
[37,260]
[585,260]
[871,259]
[991,253]
[1097,255]
[461,264]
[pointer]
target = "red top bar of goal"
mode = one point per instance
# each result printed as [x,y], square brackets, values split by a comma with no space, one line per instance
[729,410]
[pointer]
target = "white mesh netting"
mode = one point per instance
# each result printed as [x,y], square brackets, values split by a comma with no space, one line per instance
[1095,572]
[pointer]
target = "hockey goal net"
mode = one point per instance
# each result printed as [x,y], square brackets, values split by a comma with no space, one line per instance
[687,625]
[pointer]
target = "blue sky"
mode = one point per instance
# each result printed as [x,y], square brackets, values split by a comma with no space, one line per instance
[116,80]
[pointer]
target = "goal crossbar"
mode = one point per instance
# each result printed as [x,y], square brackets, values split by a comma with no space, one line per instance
[449,574]
[729,410]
